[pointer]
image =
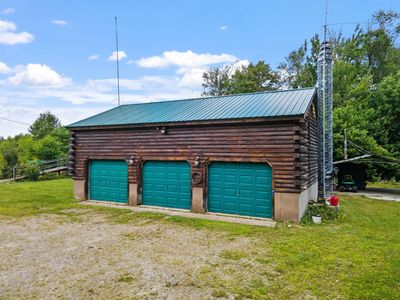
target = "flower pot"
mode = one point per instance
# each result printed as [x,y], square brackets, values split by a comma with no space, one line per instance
[316,219]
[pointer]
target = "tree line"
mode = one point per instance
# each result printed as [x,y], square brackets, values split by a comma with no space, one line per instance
[366,87]
[47,139]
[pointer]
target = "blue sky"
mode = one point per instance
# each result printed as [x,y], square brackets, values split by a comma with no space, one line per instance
[57,55]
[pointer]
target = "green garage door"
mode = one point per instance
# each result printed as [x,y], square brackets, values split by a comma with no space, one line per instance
[240,189]
[166,183]
[108,180]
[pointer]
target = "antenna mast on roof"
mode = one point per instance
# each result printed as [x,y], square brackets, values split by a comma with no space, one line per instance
[116,44]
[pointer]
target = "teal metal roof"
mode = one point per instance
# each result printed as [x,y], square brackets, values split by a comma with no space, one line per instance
[242,106]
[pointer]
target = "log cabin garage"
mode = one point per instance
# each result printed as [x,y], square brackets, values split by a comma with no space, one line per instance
[252,155]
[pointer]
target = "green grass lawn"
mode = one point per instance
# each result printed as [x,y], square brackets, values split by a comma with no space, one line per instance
[391,184]
[358,258]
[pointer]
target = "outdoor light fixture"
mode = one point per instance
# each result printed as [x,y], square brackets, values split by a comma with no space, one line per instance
[197,161]
[132,160]
[163,130]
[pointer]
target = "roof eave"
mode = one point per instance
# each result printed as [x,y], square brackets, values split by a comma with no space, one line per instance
[313,97]
[190,123]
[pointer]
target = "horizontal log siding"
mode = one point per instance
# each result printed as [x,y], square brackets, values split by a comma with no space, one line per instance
[311,172]
[274,142]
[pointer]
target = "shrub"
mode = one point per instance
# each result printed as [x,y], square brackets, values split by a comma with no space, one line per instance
[33,172]
[329,214]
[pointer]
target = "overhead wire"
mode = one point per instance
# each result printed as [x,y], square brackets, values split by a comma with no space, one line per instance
[358,147]
[14,121]
[378,162]
[390,159]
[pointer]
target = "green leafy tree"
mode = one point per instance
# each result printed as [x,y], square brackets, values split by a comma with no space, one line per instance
[61,134]
[253,78]
[382,53]
[9,154]
[231,79]
[365,87]
[358,131]
[2,164]
[216,81]
[364,81]
[386,101]
[299,69]
[25,149]
[44,125]
[49,140]
[48,148]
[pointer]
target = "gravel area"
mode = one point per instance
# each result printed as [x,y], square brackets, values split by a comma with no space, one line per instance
[53,257]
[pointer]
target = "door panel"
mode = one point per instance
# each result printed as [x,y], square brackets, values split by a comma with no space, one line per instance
[108,180]
[240,188]
[166,183]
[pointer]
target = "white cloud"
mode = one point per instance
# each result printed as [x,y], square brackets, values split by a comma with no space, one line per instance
[73,102]
[191,65]
[8,10]
[38,75]
[99,91]
[83,101]
[13,38]
[34,88]
[239,64]
[67,115]
[59,22]
[8,36]
[4,68]
[184,59]
[94,57]
[131,61]
[34,80]
[192,77]
[7,26]
[121,55]
[223,27]
[144,83]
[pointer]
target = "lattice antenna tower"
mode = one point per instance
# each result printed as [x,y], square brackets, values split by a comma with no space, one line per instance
[325,108]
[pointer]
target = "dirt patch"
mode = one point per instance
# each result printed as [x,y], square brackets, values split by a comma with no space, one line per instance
[48,257]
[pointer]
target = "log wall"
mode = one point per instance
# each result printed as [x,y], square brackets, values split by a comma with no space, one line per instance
[311,128]
[288,146]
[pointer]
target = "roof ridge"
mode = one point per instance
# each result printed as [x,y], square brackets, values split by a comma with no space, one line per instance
[222,96]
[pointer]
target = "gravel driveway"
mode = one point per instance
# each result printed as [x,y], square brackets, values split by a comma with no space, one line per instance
[381,194]
[51,256]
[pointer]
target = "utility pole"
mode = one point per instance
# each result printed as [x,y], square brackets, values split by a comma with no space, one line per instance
[345,144]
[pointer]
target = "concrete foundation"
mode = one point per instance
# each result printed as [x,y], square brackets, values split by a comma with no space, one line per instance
[198,200]
[291,206]
[287,206]
[133,197]
[309,194]
[79,190]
